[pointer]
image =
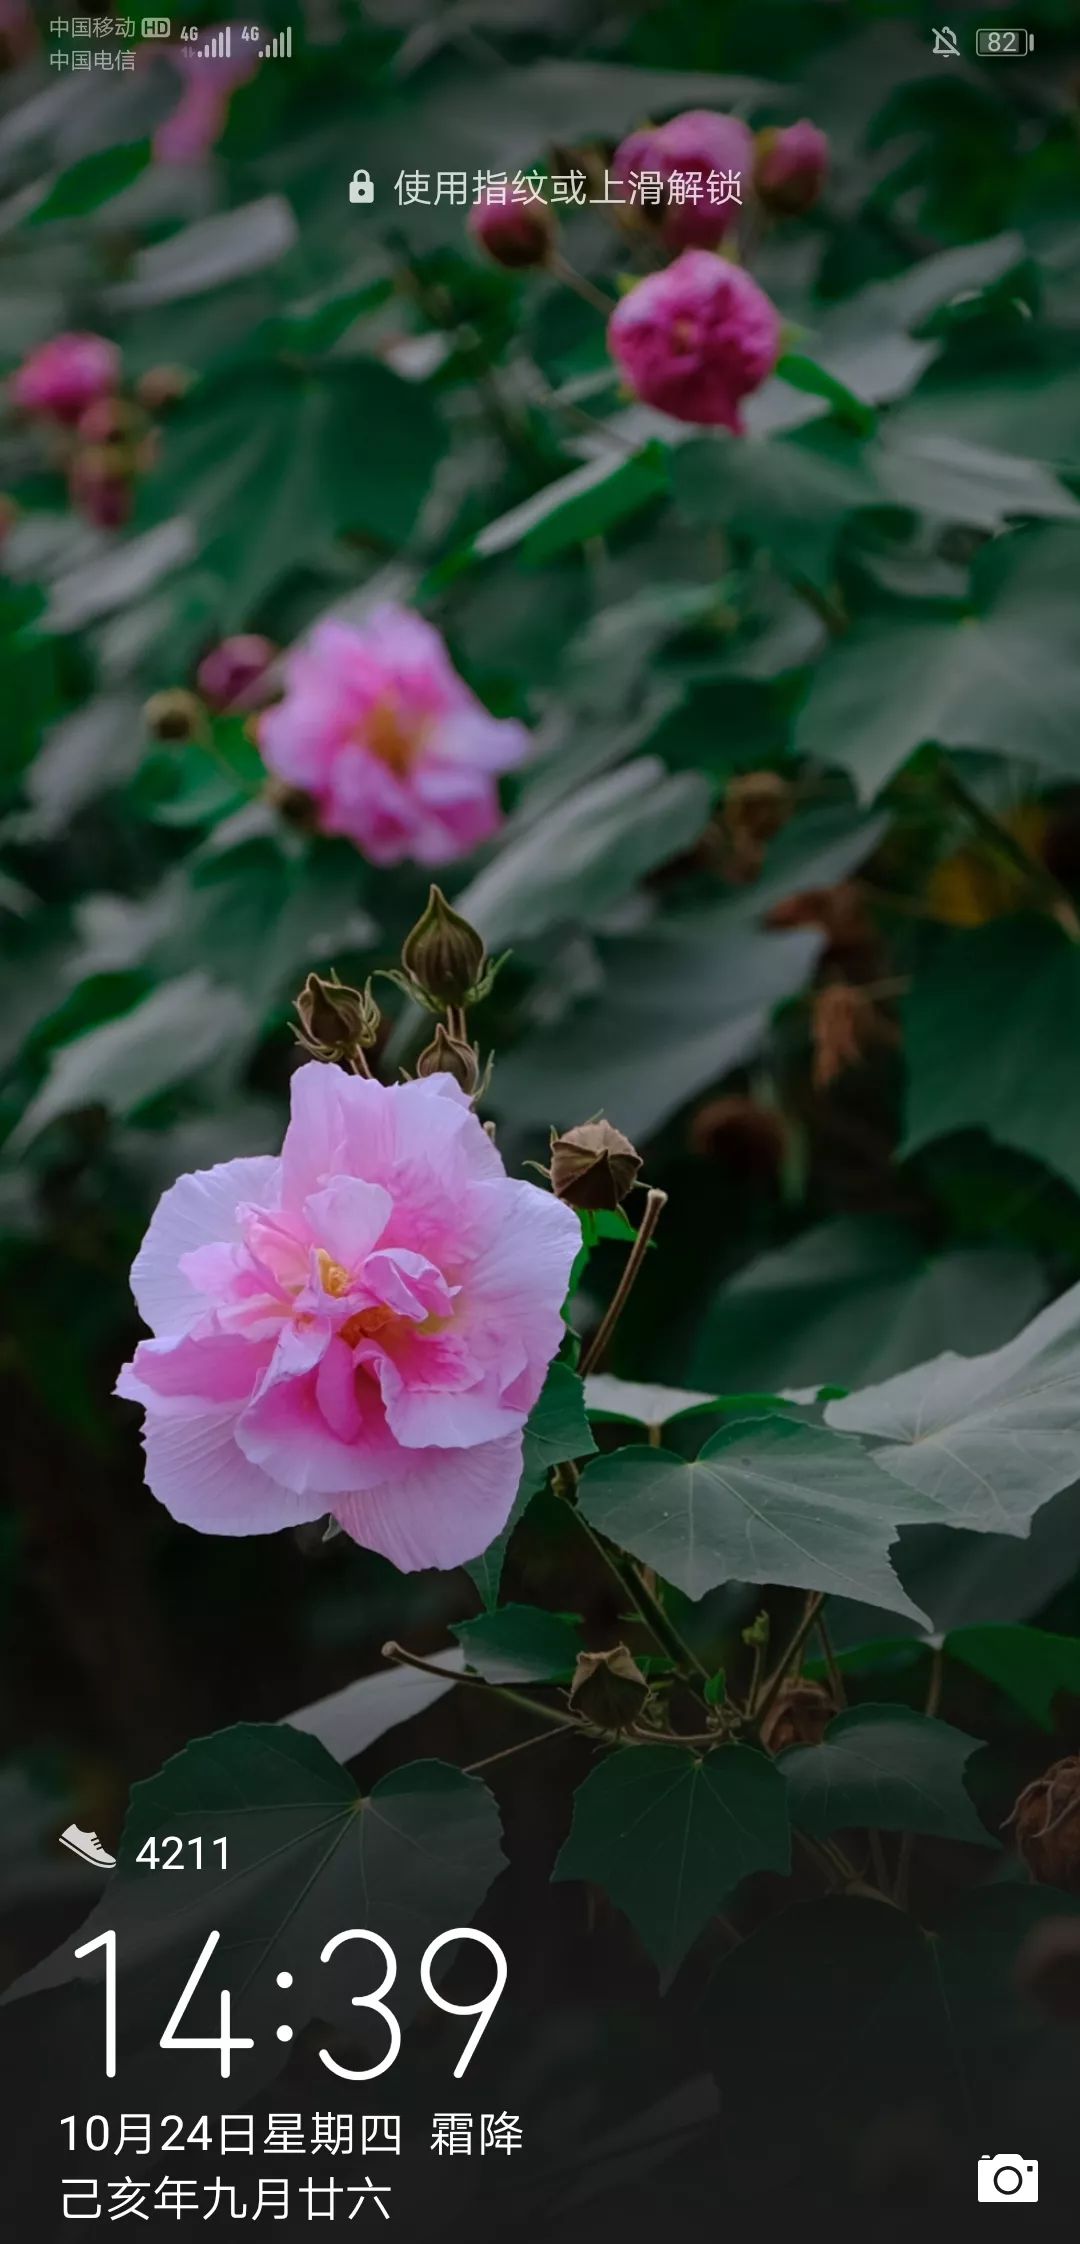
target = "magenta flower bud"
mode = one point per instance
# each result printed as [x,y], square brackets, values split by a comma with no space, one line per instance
[696,339]
[514,234]
[230,675]
[65,375]
[791,164]
[703,157]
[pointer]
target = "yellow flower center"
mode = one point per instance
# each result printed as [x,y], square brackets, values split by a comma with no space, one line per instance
[385,734]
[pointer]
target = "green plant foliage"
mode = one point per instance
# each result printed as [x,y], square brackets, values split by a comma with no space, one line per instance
[668,1835]
[887,1767]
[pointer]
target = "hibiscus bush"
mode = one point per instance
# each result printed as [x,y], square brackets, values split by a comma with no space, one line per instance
[540,875]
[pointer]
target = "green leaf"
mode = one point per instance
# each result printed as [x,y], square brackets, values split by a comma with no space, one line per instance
[857,1299]
[640,1402]
[885,1768]
[94,180]
[1005,677]
[273,465]
[307,1857]
[348,1721]
[982,1440]
[586,504]
[815,381]
[953,481]
[669,1835]
[792,494]
[992,1036]
[582,856]
[1029,1664]
[557,1430]
[680,1006]
[169,1038]
[520,1644]
[207,255]
[768,1500]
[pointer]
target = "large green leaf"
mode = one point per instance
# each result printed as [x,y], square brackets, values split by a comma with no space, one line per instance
[768,1500]
[557,1429]
[169,1038]
[578,859]
[1005,675]
[275,463]
[992,1037]
[856,1299]
[983,1440]
[668,1835]
[792,493]
[93,180]
[307,1857]
[1029,1664]
[520,1644]
[888,1768]
[681,1005]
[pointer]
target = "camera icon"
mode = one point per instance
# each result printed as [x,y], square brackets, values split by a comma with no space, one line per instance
[1005,2180]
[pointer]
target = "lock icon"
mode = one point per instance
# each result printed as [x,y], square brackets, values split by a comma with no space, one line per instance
[361,189]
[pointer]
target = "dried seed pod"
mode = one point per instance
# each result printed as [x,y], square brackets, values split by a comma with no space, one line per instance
[756,805]
[845,1025]
[593,1166]
[1046,1825]
[443,956]
[799,1715]
[609,1688]
[335,1021]
[450,1055]
[743,1135]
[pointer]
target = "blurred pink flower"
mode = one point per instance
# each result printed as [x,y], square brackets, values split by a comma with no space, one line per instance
[229,676]
[514,234]
[199,119]
[65,375]
[360,1327]
[377,727]
[706,145]
[696,338]
[791,167]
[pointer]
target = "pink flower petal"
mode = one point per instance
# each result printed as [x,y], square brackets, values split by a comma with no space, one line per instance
[195,1469]
[445,1508]
[198,1210]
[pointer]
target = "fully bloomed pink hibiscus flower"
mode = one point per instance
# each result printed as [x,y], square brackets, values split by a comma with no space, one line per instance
[377,727]
[360,1327]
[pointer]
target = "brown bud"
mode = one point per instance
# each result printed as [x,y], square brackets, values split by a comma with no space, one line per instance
[109,421]
[839,911]
[335,1021]
[608,1688]
[756,805]
[443,956]
[298,808]
[745,1137]
[176,715]
[162,386]
[800,1714]
[845,1025]
[593,1166]
[1048,1967]
[1046,1825]
[450,1055]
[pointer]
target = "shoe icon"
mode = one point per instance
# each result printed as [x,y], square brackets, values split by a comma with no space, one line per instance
[88,1847]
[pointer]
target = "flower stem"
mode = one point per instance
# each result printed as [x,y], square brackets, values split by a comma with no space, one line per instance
[815,1601]
[402,1658]
[659,1623]
[571,278]
[594,1353]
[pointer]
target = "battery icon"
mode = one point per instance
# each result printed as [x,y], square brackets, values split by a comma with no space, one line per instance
[1004,43]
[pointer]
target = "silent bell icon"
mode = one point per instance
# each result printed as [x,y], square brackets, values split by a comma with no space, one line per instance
[361,188]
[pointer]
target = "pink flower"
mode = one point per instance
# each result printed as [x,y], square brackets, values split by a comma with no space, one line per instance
[696,338]
[714,151]
[360,1327]
[514,234]
[791,167]
[201,114]
[396,752]
[65,375]
[230,675]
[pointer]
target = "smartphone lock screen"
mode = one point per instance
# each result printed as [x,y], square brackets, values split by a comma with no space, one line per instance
[539,1120]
